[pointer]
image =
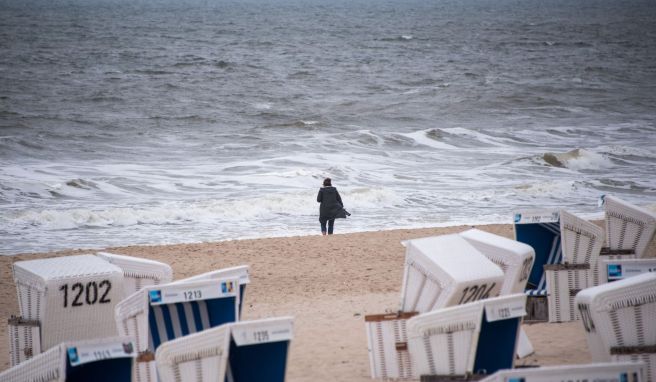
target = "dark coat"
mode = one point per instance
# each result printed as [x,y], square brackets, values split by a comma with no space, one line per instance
[331,206]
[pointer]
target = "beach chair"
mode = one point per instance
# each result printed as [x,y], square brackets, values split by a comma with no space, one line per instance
[541,230]
[238,352]
[258,349]
[616,371]
[619,269]
[98,360]
[475,338]
[581,242]
[157,314]
[387,345]
[618,319]
[516,261]
[63,299]
[629,230]
[242,272]
[138,272]
[446,270]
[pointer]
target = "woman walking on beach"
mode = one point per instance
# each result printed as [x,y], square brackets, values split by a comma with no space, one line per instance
[331,206]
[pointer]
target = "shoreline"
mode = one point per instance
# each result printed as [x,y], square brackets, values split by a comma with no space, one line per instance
[328,283]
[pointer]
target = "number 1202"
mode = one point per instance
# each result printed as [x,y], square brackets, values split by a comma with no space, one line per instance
[91,293]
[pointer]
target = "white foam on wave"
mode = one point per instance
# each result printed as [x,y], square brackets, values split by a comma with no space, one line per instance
[421,137]
[578,159]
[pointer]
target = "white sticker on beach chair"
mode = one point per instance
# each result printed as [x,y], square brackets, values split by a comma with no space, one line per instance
[245,335]
[78,355]
[619,271]
[532,217]
[174,293]
[503,311]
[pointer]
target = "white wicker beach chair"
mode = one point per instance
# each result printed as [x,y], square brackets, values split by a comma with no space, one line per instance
[242,272]
[200,357]
[618,319]
[616,371]
[157,314]
[619,269]
[541,230]
[387,342]
[98,360]
[629,230]
[446,270]
[63,299]
[581,242]
[516,261]
[238,352]
[138,272]
[475,338]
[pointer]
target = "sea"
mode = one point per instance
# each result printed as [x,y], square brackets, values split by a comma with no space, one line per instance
[161,121]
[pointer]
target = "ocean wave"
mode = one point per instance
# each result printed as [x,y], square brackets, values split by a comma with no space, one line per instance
[577,159]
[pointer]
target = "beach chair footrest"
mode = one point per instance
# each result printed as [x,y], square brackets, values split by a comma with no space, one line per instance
[628,350]
[537,309]
[451,378]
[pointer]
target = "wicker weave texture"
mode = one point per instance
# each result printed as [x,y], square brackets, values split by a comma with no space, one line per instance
[514,258]
[200,357]
[620,313]
[628,226]
[386,359]
[139,273]
[73,297]
[562,286]
[24,341]
[446,270]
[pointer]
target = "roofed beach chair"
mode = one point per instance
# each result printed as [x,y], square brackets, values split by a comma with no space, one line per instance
[618,319]
[238,352]
[98,360]
[629,230]
[475,338]
[581,242]
[157,314]
[615,371]
[619,269]
[515,259]
[62,299]
[446,270]
[387,340]
[138,272]
[541,230]
[241,272]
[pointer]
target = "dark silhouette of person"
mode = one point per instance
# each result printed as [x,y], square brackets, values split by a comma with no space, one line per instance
[331,206]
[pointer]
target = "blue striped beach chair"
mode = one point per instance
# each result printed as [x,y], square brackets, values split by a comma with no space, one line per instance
[99,360]
[242,272]
[247,351]
[158,314]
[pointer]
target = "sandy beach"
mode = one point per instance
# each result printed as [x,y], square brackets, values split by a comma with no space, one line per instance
[328,284]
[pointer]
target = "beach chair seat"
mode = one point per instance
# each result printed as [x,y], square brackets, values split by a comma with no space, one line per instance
[160,313]
[618,269]
[387,345]
[474,338]
[581,242]
[620,314]
[446,270]
[138,272]
[516,261]
[629,230]
[98,360]
[609,371]
[67,298]
[238,352]
[241,272]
